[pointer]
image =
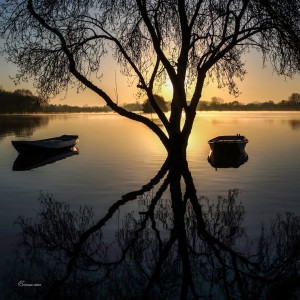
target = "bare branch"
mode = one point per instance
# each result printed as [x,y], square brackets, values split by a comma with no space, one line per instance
[81,78]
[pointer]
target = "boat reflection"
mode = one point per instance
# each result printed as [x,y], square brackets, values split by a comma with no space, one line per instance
[25,162]
[227,159]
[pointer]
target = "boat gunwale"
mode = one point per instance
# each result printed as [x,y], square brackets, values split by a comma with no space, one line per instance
[229,139]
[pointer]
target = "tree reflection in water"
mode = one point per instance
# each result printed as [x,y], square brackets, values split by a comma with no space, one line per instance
[186,247]
[21,125]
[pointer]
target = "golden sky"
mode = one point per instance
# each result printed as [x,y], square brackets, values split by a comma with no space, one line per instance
[260,84]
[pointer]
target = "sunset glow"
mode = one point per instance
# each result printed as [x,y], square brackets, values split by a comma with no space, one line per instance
[260,84]
[167,90]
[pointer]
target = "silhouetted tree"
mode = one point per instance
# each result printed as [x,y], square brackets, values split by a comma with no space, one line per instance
[216,102]
[23,92]
[148,108]
[294,98]
[62,43]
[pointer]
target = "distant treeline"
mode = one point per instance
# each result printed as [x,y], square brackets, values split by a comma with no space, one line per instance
[23,101]
[216,103]
[20,101]
[88,109]
[51,108]
[257,106]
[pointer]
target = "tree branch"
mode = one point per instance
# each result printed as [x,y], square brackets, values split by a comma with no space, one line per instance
[156,40]
[86,82]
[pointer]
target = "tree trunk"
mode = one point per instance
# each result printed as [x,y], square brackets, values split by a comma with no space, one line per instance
[177,150]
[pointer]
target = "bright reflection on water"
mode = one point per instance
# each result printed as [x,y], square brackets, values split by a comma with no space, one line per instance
[117,156]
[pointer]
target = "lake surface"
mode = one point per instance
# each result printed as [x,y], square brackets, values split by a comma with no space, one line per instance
[117,156]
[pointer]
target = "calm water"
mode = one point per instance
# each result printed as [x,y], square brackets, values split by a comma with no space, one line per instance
[117,156]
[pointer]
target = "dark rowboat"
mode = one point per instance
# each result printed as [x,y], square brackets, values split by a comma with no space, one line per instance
[228,143]
[60,143]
